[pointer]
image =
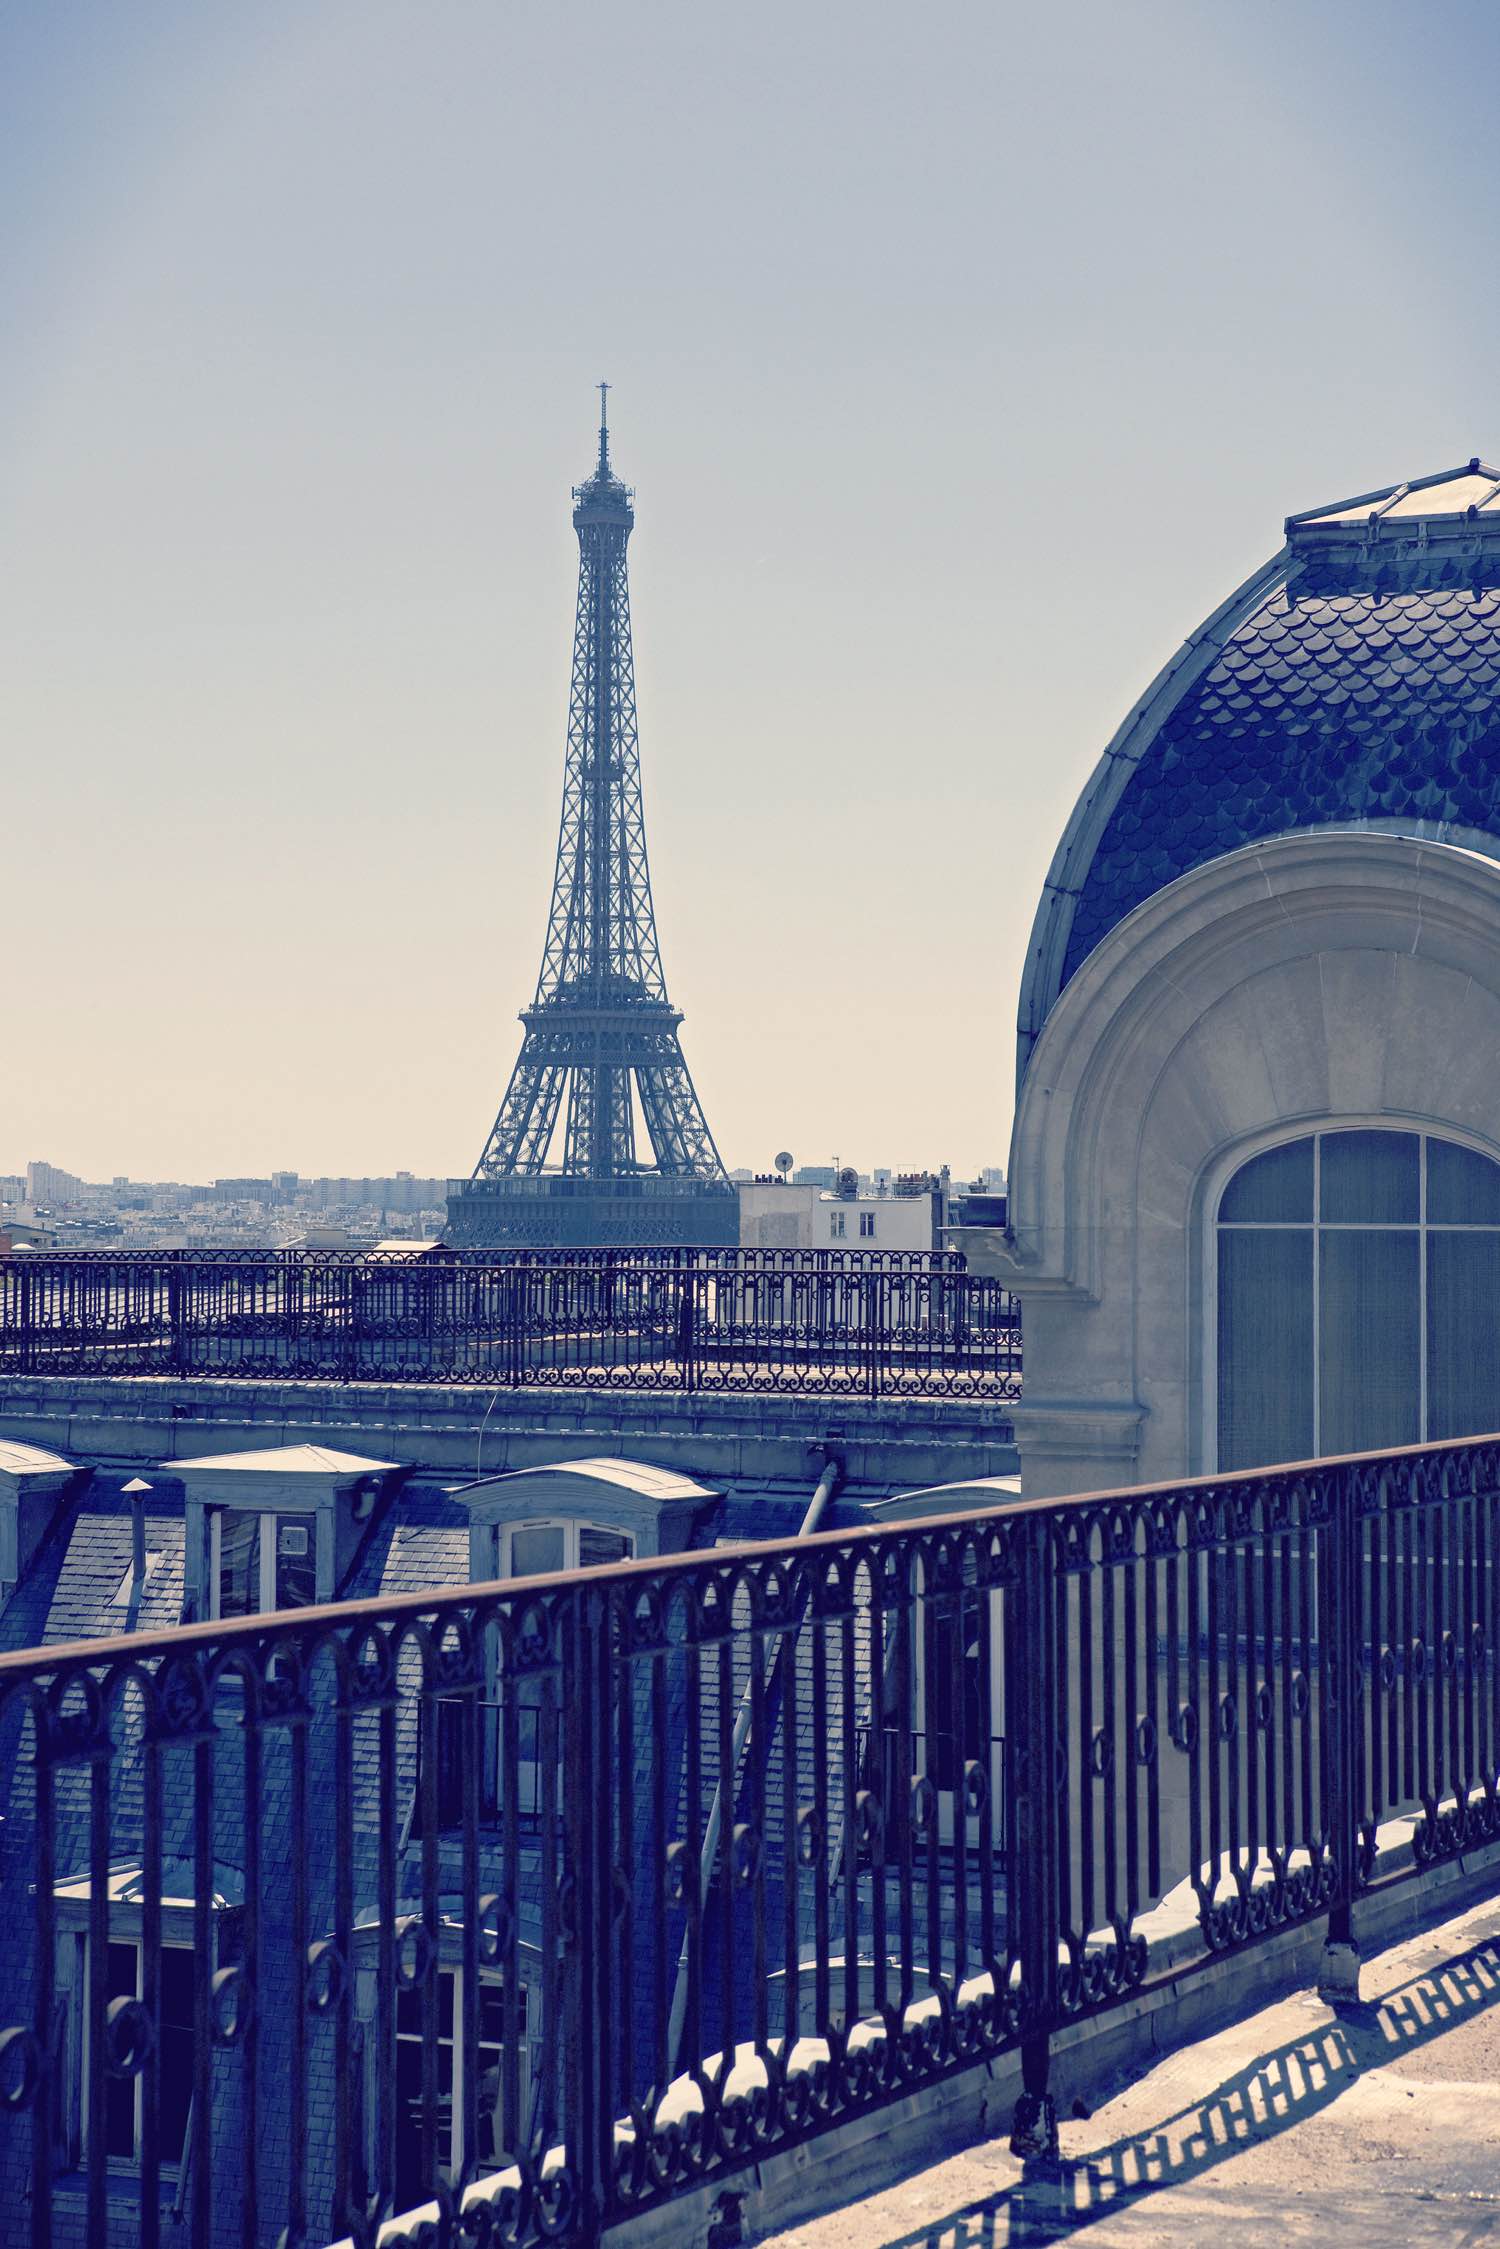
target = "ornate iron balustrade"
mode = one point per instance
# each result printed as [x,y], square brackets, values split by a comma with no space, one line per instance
[768,1875]
[823,1323]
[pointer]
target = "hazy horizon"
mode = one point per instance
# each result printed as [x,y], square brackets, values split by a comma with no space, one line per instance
[962,364]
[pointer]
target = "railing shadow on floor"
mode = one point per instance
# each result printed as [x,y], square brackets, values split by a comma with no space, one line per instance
[1053,2200]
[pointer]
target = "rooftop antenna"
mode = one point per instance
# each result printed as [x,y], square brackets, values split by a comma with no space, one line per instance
[604,429]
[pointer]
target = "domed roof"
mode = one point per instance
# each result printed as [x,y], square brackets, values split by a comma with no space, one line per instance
[1354,680]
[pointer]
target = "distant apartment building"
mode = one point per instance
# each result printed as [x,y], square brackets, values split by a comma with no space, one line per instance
[777,1214]
[47,1183]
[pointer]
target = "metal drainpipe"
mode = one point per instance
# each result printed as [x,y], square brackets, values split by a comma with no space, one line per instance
[136,1492]
[827,1484]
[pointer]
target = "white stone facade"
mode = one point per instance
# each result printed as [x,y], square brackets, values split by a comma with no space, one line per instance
[1327,976]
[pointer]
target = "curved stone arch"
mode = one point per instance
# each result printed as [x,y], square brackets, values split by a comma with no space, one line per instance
[1330,974]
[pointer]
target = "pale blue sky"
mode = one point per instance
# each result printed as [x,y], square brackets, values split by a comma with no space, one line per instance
[964,359]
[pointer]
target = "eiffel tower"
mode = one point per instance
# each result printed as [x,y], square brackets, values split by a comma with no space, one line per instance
[600,1067]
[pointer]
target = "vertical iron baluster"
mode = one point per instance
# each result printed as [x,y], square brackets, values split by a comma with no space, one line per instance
[1453,1629]
[1489,1611]
[1469,1511]
[1111,1761]
[876,1783]
[661,2063]
[1252,1728]
[1337,1579]
[758,1749]
[790,1872]
[1270,1538]
[1437,1568]
[1131,1720]
[1040,1818]
[818,1705]
[502,1629]
[249,1971]
[1214,1738]
[1375,1719]
[343,1941]
[151,1873]
[44,1973]
[618,1614]
[984,1842]
[1408,1652]
[297,2014]
[1424,1609]
[559,1903]
[1060,1771]
[849,1758]
[431,1984]
[691,2052]
[1153,1713]
[464,2150]
[1087,1917]
[722,1872]
[905,1772]
[385,1978]
[1193,1564]
[98,1983]
[201,2127]
[956,1685]
[1305,1566]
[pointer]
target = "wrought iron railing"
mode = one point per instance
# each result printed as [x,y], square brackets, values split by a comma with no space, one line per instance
[826,1323]
[238,1976]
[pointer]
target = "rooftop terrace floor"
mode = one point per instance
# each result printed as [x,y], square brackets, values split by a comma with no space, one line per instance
[1376,2124]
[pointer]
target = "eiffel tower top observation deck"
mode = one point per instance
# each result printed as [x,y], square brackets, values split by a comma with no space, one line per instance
[600,1077]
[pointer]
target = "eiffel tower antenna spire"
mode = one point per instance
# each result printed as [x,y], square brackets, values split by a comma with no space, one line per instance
[601,1137]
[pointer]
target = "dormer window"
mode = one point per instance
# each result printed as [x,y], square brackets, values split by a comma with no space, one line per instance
[277,1529]
[259,1562]
[540,1548]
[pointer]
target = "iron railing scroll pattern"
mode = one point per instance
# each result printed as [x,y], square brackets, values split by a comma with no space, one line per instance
[820,1323]
[560,1988]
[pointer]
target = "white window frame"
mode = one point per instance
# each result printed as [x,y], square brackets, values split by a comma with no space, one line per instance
[451,2033]
[835,1225]
[272,1523]
[867,1225]
[1216,1184]
[572,1528]
[992,1746]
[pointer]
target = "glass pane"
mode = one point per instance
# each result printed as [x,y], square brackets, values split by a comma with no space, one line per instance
[536,1548]
[119,2092]
[951,1717]
[1462,1189]
[1463,1335]
[176,2048]
[1371,1178]
[1368,1348]
[296,1566]
[601,1546]
[1265,1348]
[1277,1186]
[239,1562]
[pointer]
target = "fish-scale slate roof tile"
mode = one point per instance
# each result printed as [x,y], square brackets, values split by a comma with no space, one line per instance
[1324,707]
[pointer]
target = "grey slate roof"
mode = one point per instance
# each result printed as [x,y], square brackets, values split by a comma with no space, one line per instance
[1356,680]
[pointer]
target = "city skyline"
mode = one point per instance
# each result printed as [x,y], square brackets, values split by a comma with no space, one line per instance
[977,351]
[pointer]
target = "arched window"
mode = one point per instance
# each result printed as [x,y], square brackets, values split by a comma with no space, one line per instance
[1358,1284]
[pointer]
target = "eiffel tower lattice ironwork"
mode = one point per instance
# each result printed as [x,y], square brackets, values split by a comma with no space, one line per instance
[601,1067]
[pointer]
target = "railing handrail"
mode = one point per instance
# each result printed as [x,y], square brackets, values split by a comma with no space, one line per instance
[322,1616]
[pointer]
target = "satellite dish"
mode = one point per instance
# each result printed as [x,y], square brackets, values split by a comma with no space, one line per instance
[784,1160]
